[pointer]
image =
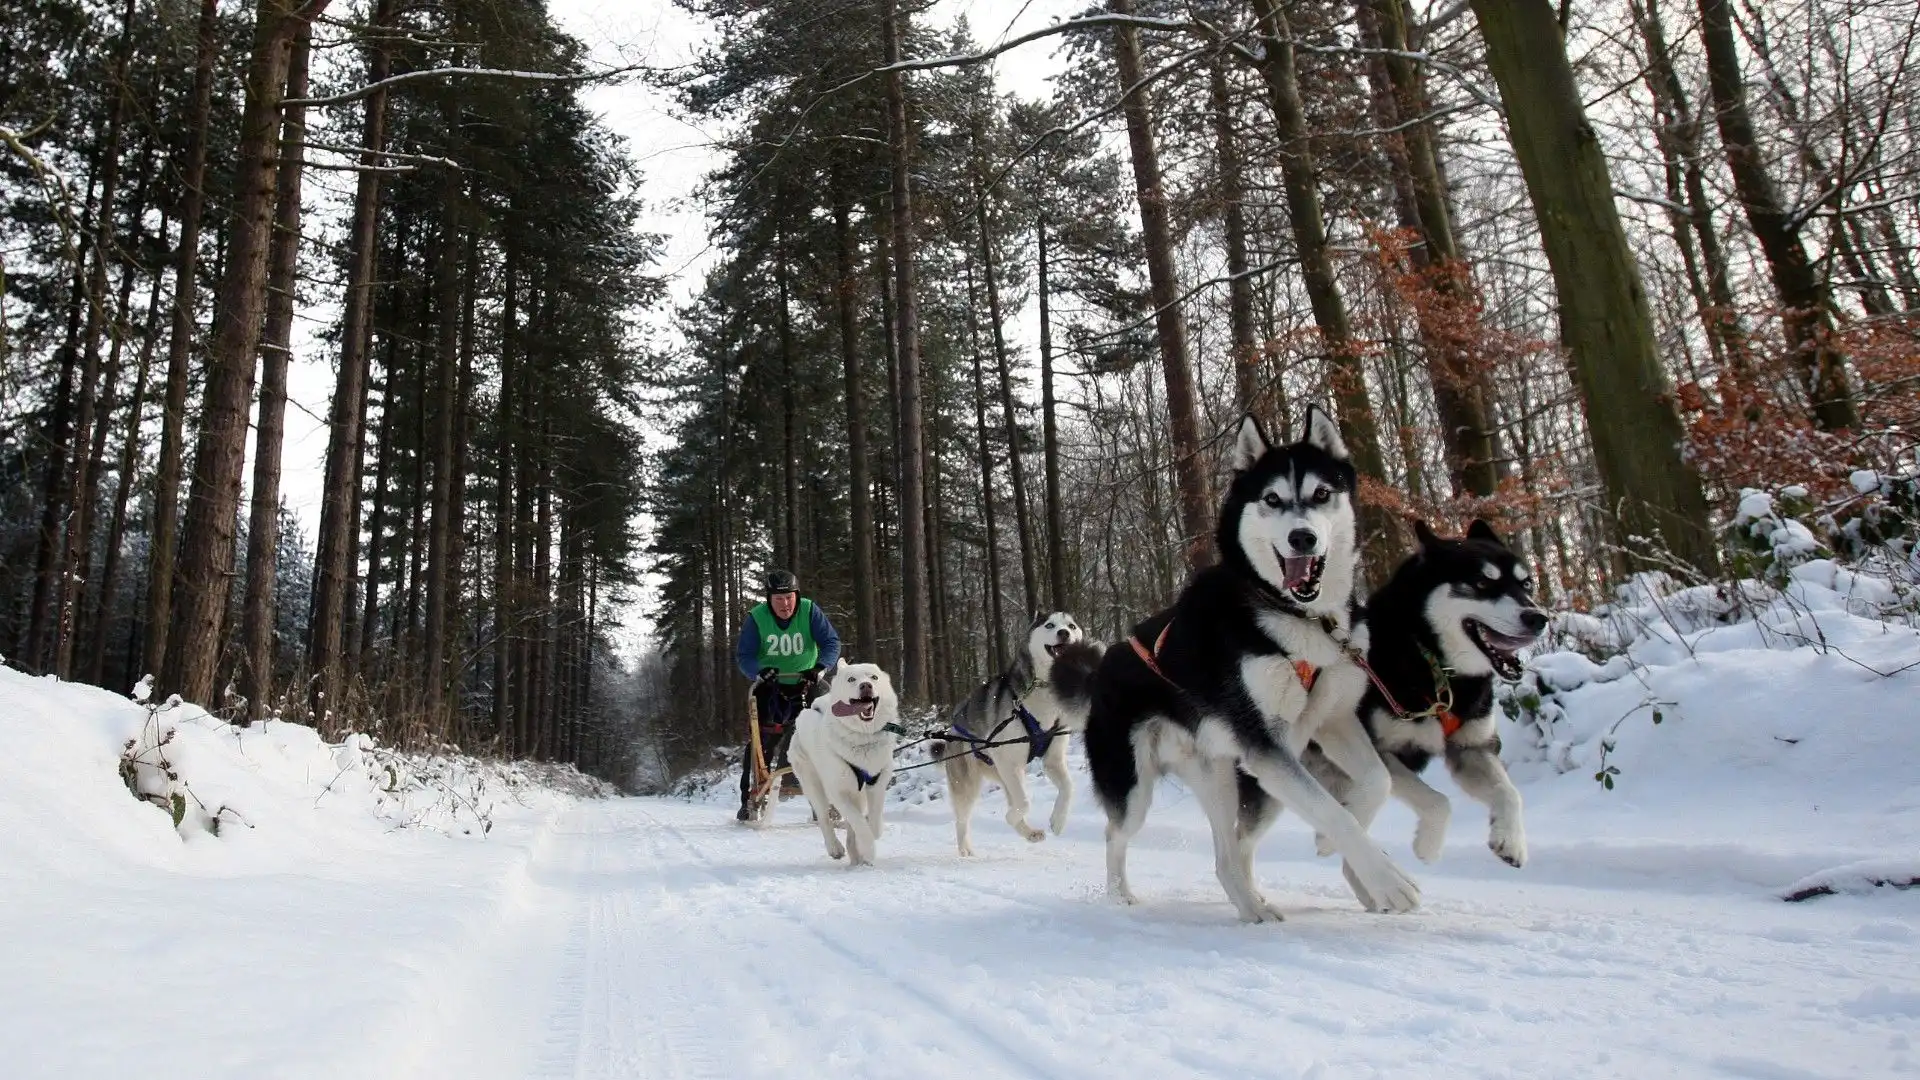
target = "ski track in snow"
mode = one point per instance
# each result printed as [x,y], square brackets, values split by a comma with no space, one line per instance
[656,938]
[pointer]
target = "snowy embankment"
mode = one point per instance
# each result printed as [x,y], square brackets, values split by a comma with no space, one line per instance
[294,922]
[1645,937]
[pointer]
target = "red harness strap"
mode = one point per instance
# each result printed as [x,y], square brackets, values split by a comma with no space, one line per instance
[1302,670]
[1449,720]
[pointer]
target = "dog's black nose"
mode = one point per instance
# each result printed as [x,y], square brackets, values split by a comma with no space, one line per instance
[1303,540]
[1063,635]
[866,689]
[1534,620]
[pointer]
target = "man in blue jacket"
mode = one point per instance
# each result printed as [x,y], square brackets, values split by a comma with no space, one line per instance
[785,643]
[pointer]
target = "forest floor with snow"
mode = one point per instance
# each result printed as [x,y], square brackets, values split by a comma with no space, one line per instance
[354,917]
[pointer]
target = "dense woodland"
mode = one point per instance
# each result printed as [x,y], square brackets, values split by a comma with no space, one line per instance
[1584,269]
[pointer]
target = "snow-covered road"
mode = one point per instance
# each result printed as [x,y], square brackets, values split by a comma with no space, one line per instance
[657,938]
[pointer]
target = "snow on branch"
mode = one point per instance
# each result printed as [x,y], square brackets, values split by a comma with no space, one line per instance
[456,72]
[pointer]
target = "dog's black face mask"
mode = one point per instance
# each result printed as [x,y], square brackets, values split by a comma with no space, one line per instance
[1480,600]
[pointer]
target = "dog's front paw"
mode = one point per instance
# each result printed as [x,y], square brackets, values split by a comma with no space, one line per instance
[1508,839]
[1058,823]
[1323,845]
[1387,888]
[836,850]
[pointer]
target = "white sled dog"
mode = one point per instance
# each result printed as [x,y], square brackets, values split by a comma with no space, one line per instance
[1225,689]
[843,754]
[1040,699]
[1451,620]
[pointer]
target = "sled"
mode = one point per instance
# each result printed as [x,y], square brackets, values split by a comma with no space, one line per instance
[764,778]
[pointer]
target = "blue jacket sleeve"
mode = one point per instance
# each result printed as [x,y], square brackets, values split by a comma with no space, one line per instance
[825,637]
[747,651]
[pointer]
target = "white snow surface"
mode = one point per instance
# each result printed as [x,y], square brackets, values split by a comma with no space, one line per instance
[603,938]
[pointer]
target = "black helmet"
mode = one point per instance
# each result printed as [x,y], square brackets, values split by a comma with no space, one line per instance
[779,581]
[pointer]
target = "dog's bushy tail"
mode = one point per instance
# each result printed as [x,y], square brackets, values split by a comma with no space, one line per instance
[1074,669]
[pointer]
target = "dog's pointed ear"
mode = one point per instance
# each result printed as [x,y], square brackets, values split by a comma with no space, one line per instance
[1480,530]
[1423,533]
[1248,444]
[1324,433]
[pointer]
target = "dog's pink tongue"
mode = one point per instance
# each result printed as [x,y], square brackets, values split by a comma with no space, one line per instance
[1298,569]
[849,708]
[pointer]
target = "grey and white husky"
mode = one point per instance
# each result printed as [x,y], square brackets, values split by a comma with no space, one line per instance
[1040,698]
[1255,658]
[1451,619]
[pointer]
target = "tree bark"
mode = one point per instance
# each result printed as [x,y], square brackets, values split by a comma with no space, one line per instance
[1382,543]
[1183,415]
[789,548]
[207,543]
[448,266]
[81,475]
[1448,329]
[1806,307]
[263,527]
[996,626]
[123,488]
[1057,584]
[1233,218]
[1603,307]
[914,543]
[1679,138]
[166,485]
[846,288]
[1029,575]
[336,557]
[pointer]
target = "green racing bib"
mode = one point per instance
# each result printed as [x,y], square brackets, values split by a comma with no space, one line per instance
[792,652]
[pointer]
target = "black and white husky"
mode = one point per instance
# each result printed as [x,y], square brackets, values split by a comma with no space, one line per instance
[1225,689]
[1039,699]
[1450,620]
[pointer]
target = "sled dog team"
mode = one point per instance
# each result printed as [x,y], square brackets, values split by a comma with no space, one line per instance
[1265,686]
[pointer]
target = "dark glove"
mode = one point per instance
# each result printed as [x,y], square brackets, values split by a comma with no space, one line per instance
[768,673]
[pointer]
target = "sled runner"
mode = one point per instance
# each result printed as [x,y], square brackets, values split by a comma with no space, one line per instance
[764,777]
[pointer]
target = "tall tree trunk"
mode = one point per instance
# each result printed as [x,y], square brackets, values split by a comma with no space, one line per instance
[37,642]
[263,527]
[166,485]
[449,264]
[503,566]
[789,553]
[1603,307]
[377,520]
[81,475]
[81,570]
[1233,216]
[1183,414]
[1806,306]
[207,544]
[846,288]
[1029,575]
[914,543]
[454,622]
[996,625]
[1382,542]
[1679,138]
[123,488]
[336,558]
[1061,596]
[1448,329]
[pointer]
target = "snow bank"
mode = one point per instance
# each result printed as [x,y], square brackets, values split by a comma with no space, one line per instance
[271,905]
[1759,733]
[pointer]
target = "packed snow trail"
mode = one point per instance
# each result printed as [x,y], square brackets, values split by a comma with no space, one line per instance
[657,938]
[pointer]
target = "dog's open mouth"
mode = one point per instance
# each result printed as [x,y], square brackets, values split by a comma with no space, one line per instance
[861,706]
[1054,649]
[1302,573]
[1502,649]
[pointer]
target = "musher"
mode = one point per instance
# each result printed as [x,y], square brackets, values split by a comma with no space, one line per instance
[785,643]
